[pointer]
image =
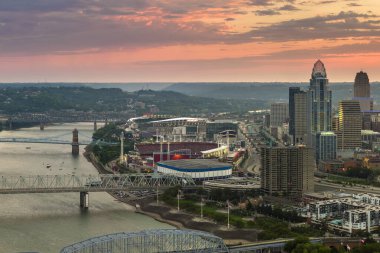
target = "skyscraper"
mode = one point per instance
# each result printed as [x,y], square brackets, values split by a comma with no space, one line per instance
[300,117]
[287,171]
[279,113]
[320,106]
[362,91]
[297,115]
[292,92]
[349,125]
[326,146]
[361,85]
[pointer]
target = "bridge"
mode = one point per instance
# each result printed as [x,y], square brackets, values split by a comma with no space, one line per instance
[75,143]
[41,140]
[90,183]
[186,241]
[149,241]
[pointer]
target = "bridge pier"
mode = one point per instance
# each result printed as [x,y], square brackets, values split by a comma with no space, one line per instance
[95,126]
[75,143]
[42,126]
[84,200]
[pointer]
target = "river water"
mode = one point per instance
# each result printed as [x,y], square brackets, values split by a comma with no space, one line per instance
[47,222]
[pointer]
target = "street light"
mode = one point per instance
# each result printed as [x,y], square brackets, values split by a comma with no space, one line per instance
[178,194]
[201,207]
[157,193]
[228,214]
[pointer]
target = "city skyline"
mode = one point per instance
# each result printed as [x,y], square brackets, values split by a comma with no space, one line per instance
[187,41]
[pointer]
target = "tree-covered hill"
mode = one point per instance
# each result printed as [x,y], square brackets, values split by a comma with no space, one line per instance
[43,99]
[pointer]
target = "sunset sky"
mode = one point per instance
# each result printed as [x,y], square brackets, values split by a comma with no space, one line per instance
[187,40]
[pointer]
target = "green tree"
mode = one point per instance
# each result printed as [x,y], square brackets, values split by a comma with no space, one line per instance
[291,245]
[311,248]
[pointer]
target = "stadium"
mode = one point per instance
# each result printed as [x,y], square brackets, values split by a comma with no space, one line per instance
[198,169]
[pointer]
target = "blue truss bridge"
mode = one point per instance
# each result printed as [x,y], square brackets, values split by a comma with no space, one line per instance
[90,183]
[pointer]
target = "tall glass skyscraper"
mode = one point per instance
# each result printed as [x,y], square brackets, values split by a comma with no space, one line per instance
[320,106]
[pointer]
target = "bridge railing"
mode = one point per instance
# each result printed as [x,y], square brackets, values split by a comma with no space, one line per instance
[101,182]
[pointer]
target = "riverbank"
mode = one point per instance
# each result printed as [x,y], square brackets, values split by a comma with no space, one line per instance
[180,220]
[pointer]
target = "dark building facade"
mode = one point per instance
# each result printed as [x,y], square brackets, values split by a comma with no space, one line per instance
[287,171]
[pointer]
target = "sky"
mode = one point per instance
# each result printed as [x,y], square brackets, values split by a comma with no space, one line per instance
[187,40]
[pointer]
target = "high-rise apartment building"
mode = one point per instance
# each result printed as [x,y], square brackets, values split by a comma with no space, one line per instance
[287,171]
[326,145]
[349,125]
[362,92]
[279,113]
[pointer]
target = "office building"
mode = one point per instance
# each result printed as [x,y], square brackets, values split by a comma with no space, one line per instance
[287,171]
[279,113]
[369,137]
[326,146]
[320,99]
[297,115]
[292,92]
[349,125]
[362,92]
[301,117]
[266,120]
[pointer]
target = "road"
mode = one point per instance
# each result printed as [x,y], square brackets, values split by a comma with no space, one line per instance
[253,161]
[322,185]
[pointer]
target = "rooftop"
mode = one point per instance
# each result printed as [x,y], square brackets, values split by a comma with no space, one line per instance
[180,119]
[330,133]
[369,132]
[195,164]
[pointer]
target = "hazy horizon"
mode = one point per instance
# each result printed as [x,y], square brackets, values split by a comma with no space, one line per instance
[187,40]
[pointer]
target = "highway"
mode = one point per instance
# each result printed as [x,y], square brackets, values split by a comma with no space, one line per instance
[322,185]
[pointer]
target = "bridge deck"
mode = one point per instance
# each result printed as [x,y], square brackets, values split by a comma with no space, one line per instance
[44,141]
[90,183]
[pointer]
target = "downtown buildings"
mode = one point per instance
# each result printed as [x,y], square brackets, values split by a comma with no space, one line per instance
[310,115]
[311,121]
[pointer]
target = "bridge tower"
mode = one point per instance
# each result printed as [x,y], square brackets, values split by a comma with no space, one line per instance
[84,200]
[75,143]
[42,126]
[95,126]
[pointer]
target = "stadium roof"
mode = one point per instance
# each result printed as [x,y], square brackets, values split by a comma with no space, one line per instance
[195,164]
[180,119]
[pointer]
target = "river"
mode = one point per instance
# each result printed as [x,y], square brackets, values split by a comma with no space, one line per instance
[47,222]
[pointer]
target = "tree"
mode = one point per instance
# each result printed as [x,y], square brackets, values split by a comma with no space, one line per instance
[311,248]
[291,245]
